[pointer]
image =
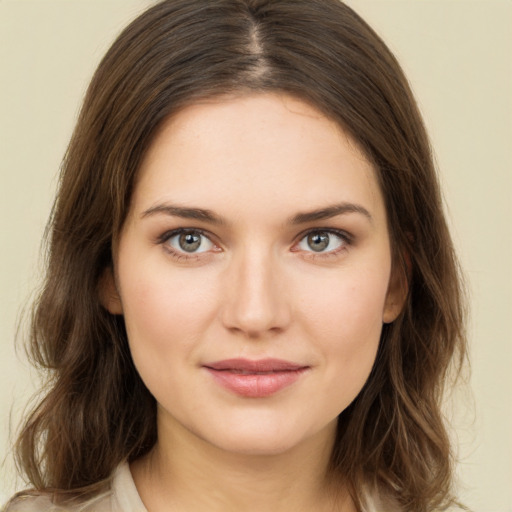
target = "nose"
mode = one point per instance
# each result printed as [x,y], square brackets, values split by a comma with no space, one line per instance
[256,301]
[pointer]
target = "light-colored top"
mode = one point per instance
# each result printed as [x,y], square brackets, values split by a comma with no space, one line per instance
[123,497]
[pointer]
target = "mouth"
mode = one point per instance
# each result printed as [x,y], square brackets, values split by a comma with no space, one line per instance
[255,378]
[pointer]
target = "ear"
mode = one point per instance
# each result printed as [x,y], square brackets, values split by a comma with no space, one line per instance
[398,289]
[108,293]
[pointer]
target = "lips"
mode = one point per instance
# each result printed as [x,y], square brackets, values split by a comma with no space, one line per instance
[255,378]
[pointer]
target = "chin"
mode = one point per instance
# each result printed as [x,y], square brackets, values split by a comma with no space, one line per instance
[258,446]
[261,439]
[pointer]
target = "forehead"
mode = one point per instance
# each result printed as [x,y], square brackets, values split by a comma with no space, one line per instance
[266,150]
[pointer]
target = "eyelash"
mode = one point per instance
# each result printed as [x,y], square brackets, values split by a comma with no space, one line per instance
[345,238]
[182,255]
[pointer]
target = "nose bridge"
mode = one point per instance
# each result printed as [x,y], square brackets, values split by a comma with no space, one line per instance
[256,296]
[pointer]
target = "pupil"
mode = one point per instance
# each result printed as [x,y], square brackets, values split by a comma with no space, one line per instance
[190,242]
[318,241]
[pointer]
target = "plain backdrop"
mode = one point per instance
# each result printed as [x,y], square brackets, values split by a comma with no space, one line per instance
[458,57]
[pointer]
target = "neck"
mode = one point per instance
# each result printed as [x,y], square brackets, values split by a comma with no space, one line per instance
[184,472]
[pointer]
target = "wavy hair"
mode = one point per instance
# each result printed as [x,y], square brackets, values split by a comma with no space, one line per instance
[96,412]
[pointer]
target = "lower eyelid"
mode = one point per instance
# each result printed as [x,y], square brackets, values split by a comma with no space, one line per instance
[344,238]
[345,241]
[181,256]
[209,243]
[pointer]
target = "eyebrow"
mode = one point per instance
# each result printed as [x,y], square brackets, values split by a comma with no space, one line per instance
[184,213]
[329,212]
[300,218]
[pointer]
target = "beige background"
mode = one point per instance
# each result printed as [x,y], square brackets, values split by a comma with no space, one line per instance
[458,56]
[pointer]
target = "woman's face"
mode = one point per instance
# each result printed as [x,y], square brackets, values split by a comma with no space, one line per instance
[253,273]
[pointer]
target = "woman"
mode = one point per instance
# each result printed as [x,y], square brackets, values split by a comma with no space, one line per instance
[252,300]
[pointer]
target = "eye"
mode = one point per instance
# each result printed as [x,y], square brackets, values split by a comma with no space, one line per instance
[189,241]
[322,241]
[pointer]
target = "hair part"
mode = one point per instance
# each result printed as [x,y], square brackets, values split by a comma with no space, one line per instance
[97,412]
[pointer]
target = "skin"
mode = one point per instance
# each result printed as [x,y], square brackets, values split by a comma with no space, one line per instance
[255,288]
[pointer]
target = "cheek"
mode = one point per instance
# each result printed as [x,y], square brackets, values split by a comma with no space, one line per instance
[165,314]
[348,307]
[346,321]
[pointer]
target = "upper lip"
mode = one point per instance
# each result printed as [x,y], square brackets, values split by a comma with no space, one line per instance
[259,365]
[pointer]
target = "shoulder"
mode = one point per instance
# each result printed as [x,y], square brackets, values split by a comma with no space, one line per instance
[376,501]
[44,503]
[27,503]
[121,496]
[380,502]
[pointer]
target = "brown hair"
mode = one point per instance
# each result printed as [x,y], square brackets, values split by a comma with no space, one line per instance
[97,412]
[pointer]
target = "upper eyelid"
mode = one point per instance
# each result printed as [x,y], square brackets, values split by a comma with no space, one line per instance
[297,238]
[346,242]
[339,232]
[173,232]
[180,254]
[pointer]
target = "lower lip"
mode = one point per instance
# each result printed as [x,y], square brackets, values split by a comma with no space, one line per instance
[254,385]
